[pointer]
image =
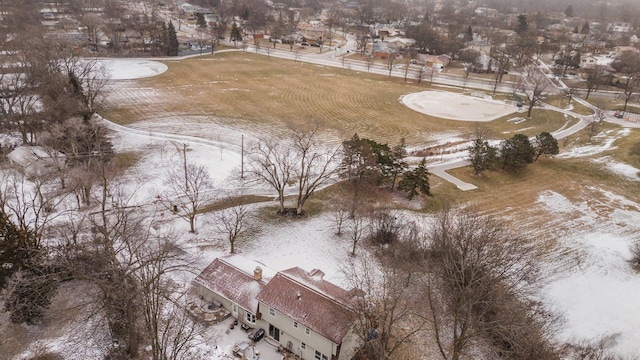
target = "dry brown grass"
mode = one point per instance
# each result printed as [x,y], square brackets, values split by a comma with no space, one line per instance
[272,92]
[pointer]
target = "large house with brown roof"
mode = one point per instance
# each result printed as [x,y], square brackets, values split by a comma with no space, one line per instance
[298,309]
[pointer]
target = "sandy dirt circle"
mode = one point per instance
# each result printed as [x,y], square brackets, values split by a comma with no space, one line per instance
[454,106]
[128,69]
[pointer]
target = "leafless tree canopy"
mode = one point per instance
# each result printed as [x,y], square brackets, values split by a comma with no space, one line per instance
[232,222]
[299,160]
[478,275]
[190,188]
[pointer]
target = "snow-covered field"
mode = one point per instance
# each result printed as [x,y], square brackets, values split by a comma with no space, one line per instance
[592,287]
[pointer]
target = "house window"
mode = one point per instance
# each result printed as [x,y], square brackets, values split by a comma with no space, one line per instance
[295,324]
[251,318]
[272,311]
[303,346]
[306,331]
[320,356]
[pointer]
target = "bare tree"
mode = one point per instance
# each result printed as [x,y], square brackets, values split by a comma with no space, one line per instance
[18,104]
[370,61]
[168,327]
[570,92]
[190,188]
[628,64]
[314,166]
[534,89]
[593,78]
[358,230]
[340,206]
[129,258]
[466,68]
[271,163]
[87,148]
[232,222]
[391,58]
[300,160]
[477,269]
[387,316]
[32,203]
[430,74]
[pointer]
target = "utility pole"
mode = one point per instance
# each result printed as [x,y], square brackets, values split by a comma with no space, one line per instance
[186,178]
[242,157]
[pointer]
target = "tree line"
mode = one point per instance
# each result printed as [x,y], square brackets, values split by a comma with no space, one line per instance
[510,155]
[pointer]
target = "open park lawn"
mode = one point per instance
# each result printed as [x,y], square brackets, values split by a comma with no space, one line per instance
[266,94]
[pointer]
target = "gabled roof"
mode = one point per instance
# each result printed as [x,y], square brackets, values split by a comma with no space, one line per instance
[311,301]
[26,156]
[232,277]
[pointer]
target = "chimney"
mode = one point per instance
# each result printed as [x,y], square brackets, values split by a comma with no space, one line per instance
[257,273]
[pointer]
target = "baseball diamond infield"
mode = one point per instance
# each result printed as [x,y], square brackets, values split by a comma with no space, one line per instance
[454,106]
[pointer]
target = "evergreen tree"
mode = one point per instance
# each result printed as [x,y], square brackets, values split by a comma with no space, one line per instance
[398,163]
[585,29]
[16,248]
[569,11]
[236,33]
[523,26]
[546,144]
[469,34]
[200,21]
[30,292]
[24,275]
[416,181]
[516,153]
[482,156]
[172,41]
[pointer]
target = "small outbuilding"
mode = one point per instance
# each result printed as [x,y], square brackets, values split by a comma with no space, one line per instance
[36,160]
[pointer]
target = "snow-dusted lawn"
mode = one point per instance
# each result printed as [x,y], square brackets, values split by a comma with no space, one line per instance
[595,290]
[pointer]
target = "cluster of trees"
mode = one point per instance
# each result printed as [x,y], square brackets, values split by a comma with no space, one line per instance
[117,252]
[511,155]
[462,284]
[367,162]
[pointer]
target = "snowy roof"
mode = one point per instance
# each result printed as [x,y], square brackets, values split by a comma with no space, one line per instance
[232,277]
[26,156]
[311,301]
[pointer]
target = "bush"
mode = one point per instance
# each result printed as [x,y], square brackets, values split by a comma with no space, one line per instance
[385,227]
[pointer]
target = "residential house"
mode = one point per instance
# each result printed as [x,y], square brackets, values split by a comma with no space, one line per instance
[619,27]
[434,61]
[588,62]
[299,310]
[308,315]
[233,282]
[485,64]
[487,12]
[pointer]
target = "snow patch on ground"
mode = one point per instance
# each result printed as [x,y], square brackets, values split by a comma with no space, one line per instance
[622,169]
[596,294]
[127,69]
[603,142]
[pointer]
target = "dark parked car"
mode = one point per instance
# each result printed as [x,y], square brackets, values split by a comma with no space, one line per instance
[257,335]
[304,44]
[315,45]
